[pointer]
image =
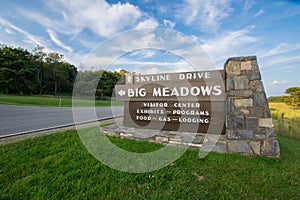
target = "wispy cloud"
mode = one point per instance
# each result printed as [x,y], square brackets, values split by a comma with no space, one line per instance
[284,58]
[152,67]
[157,39]
[145,53]
[169,24]
[275,82]
[259,13]
[291,12]
[59,43]
[28,37]
[73,19]
[207,14]
[229,44]
[280,49]
[8,31]
[29,41]
[249,4]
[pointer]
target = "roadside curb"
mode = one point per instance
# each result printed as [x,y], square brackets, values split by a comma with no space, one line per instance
[26,134]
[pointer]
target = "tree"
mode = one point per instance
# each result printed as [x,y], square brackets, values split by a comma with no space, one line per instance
[22,72]
[107,82]
[56,70]
[39,57]
[17,71]
[294,93]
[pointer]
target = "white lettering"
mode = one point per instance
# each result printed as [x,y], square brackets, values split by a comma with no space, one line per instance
[136,92]
[207,75]
[130,93]
[156,92]
[155,104]
[143,118]
[164,119]
[206,90]
[181,76]
[184,91]
[217,90]
[175,92]
[195,91]
[198,75]
[191,112]
[166,92]
[152,78]
[193,120]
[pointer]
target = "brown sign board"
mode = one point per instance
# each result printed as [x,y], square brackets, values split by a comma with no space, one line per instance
[173,115]
[189,101]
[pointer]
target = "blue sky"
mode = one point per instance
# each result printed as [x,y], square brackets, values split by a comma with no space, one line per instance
[268,29]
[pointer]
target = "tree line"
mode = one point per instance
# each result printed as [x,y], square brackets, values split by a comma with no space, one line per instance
[39,73]
[293,98]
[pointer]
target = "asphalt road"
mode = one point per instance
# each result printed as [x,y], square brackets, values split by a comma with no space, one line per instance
[16,119]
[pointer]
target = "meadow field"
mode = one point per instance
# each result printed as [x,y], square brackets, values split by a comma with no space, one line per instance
[286,120]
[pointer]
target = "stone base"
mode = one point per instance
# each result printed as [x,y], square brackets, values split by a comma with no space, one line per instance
[268,147]
[187,139]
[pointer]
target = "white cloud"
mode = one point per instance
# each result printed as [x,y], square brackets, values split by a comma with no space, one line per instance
[229,44]
[144,67]
[157,39]
[29,41]
[148,23]
[249,4]
[99,16]
[275,82]
[55,39]
[8,31]
[207,14]
[281,61]
[280,49]
[259,13]
[169,24]
[145,53]
[285,59]
[72,18]
[28,37]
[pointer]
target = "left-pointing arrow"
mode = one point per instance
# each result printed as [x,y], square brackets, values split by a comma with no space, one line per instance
[122,93]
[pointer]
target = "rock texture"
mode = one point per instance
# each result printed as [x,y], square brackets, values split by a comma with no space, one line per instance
[249,126]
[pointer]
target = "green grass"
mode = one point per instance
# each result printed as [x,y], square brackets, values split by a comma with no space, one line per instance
[57,166]
[285,119]
[54,101]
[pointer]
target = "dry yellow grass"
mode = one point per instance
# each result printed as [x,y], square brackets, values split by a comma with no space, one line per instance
[279,108]
[286,120]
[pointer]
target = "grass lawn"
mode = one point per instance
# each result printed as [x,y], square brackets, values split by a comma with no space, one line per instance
[49,101]
[58,166]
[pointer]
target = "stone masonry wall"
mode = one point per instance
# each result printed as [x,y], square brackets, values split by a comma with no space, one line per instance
[249,126]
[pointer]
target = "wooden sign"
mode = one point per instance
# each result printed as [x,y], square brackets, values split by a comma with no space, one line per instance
[173,115]
[176,101]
